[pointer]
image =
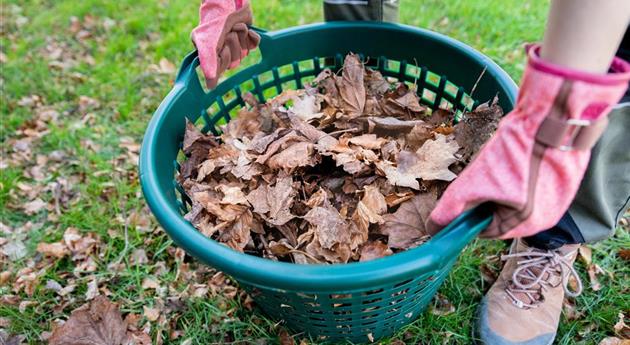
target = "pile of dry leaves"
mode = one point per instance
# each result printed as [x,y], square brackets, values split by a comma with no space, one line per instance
[347,169]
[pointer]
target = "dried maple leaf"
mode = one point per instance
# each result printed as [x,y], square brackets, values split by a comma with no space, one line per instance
[593,271]
[274,203]
[56,249]
[442,306]
[351,86]
[98,324]
[307,107]
[586,254]
[374,250]
[434,158]
[614,341]
[330,227]
[238,234]
[369,211]
[409,102]
[368,141]
[296,155]
[194,139]
[331,235]
[375,84]
[406,227]
[476,127]
[285,338]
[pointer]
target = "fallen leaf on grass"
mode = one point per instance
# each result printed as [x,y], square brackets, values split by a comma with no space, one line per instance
[285,337]
[570,311]
[621,328]
[100,323]
[150,283]
[34,206]
[585,254]
[152,314]
[614,341]
[56,249]
[593,271]
[92,290]
[14,249]
[624,254]
[442,306]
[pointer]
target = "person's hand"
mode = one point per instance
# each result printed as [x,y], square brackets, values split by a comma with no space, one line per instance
[532,167]
[222,37]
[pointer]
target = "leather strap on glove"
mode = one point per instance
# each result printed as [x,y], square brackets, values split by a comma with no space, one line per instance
[532,167]
[222,37]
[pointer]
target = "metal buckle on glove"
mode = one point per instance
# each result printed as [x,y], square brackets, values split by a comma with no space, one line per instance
[570,134]
[576,125]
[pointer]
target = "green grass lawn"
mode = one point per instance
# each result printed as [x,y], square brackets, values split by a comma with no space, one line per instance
[80,81]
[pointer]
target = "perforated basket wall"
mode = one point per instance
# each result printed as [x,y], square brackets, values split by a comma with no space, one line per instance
[330,302]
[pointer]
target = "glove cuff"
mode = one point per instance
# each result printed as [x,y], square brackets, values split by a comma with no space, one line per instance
[619,71]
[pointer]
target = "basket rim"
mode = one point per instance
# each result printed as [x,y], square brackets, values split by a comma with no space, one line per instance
[427,258]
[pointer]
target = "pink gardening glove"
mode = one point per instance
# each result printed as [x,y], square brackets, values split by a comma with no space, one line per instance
[222,37]
[532,167]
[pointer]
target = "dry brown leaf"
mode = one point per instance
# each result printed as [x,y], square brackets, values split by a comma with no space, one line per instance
[232,195]
[614,341]
[593,271]
[152,314]
[280,200]
[585,254]
[368,141]
[434,158]
[442,306]
[98,324]
[330,227]
[369,211]
[624,254]
[374,250]
[621,328]
[285,337]
[375,84]
[56,249]
[351,86]
[406,227]
[476,127]
[35,206]
[409,102]
[307,107]
[296,155]
[150,283]
[238,235]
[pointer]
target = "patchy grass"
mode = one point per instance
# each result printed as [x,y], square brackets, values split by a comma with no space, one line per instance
[79,83]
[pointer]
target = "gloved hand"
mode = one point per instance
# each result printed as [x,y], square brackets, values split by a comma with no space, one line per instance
[222,37]
[532,167]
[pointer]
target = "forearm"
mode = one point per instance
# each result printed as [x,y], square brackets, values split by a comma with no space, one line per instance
[585,34]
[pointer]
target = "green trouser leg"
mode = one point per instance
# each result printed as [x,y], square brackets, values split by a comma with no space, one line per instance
[604,194]
[377,10]
[355,10]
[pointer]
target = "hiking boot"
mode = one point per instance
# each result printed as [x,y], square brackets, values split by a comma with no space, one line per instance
[523,306]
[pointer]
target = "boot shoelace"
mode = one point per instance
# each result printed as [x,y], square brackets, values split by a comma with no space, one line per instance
[534,273]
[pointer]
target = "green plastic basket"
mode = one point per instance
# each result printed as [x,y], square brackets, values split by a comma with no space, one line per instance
[355,301]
